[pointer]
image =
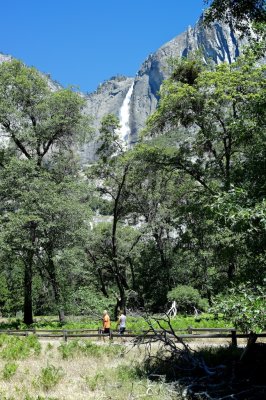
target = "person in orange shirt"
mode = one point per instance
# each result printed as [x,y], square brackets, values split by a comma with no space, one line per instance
[106,322]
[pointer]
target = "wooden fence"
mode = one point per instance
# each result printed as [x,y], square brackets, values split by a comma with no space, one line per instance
[190,333]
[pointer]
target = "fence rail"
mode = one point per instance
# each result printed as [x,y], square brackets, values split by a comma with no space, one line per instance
[213,333]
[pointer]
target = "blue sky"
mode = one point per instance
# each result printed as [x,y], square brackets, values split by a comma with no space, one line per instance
[84,42]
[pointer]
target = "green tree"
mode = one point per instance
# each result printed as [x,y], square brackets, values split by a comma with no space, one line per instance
[111,174]
[152,198]
[244,306]
[35,119]
[41,127]
[214,134]
[236,12]
[41,222]
[221,119]
[187,298]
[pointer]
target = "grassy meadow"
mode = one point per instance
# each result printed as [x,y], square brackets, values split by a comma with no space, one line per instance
[80,369]
[32,369]
[135,324]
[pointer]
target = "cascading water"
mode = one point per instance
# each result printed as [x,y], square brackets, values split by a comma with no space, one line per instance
[124,114]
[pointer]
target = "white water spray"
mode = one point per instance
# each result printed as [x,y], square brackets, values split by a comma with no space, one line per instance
[124,114]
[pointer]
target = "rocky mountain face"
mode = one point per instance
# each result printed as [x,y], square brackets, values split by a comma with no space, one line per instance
[4,57]
[107,99]
[217,42]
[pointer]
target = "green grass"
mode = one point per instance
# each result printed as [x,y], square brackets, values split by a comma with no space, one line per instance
[133,323]
[92,368]
[96,380]
[125,381]
[220,355]
[129,372]
[179,322]
[99,369]
[77,348]
[27,397]
[49,377]
[16,348]
[9,370]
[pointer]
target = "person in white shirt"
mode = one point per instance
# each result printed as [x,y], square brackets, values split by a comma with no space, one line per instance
[121,322]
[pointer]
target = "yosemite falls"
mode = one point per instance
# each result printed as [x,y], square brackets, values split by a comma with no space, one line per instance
[124,114]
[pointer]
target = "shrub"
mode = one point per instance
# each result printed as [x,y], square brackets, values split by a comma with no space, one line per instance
[86,301]
[49,347]
[95,380]
[79,347]
[15,348]
[244,307]
[187,298]
[9,370]
[214,356]
[128,372]
[76,348]
[49,377]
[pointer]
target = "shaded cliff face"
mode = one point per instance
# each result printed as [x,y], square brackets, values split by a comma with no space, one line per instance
[3,58]
[107,99]
[218,42]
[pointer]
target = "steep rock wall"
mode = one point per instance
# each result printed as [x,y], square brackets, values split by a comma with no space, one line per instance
[218,43]
[107,99]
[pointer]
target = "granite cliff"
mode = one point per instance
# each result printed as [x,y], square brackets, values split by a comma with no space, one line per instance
[217,42]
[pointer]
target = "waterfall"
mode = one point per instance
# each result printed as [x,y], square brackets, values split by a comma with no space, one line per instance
[124,113]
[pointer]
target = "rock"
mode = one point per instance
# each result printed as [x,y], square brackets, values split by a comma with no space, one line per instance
[218,42]
[107,99]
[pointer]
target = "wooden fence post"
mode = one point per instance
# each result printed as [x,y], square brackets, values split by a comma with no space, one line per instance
[65,335]
[234,338]
[189,329]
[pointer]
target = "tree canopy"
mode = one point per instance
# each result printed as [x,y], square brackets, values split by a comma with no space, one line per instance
[182,211]
[237,13]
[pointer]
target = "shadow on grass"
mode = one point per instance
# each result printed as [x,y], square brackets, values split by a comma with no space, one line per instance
[212,373]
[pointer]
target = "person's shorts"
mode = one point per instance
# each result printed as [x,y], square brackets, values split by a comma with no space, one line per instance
[106,330]
[122,330]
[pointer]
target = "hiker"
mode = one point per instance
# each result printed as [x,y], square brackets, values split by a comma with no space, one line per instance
[106,322]
[121,323]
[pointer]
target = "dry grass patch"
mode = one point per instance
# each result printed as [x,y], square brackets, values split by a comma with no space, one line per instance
[77,370]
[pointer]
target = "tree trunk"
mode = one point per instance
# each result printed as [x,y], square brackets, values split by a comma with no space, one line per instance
[164,264]
[134,286]
[209,297]
[28,316]
[58,301]
[121,282]
[120,303]
[61,316]
[28,267]
[56,290]
[250,345]
[231,270]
